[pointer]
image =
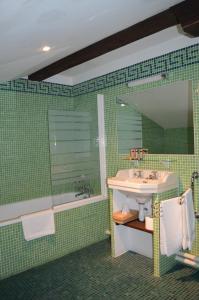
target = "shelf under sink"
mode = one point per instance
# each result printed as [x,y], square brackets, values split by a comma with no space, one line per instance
[136,224]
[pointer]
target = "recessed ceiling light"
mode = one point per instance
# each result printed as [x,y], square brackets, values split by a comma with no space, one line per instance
[45,48]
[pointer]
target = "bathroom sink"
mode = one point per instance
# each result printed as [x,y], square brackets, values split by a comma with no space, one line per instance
[143,181]
[142,198]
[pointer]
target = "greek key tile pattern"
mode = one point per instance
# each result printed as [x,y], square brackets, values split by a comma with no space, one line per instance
[28,86]
[164,63]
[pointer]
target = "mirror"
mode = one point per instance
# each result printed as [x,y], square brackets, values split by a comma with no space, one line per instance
[159,119]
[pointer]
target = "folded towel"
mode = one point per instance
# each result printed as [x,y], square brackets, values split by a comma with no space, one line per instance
[163,246]
[38,224]
[188,220]
[170,226]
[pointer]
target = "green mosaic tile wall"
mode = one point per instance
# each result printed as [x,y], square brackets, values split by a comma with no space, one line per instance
[153,136]
[75,229]
[18,254]
[183,165]
[179,140]
[171,140]
[25,174]
[25,160]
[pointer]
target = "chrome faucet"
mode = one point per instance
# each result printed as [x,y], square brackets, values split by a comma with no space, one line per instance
[84,189]
[153,175]
[138,174]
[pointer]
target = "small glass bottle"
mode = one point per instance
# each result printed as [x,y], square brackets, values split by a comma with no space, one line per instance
[133,153]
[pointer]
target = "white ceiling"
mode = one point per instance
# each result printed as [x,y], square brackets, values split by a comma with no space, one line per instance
[70,25]
[155,45]
[170,105]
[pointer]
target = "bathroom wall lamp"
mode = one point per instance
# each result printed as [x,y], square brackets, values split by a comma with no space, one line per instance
[147,80]
[121,102]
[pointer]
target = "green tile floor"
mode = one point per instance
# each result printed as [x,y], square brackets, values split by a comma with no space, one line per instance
[91,273]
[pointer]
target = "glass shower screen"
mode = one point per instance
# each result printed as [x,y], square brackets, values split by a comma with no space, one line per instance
[74,153]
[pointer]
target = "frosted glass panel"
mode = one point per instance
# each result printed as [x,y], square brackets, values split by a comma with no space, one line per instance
[129,128]
[74,152]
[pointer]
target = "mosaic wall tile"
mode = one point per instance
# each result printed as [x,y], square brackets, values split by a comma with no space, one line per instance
[25,174]
[27,86]
[25,160]
[153,136]
[179,140]
[22,107]
[183,165]
[75,229]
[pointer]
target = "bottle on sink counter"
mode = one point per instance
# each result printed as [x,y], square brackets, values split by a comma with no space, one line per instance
[137,154]
[133,153]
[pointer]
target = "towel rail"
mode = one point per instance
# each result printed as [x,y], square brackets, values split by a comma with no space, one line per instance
[181,201]
[194,176]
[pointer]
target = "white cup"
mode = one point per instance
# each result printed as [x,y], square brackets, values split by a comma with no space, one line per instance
[149,223]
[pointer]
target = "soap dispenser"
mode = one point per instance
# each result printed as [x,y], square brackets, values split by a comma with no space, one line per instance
[141,212]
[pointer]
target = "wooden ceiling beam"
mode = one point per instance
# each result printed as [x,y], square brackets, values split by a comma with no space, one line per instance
[187,15]
[184,13]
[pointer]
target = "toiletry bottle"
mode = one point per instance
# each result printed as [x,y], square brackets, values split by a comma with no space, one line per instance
[133,153]
[141,153]
[137,154]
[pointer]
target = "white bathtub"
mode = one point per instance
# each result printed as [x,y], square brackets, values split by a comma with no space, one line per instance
[11,213]
[66,198]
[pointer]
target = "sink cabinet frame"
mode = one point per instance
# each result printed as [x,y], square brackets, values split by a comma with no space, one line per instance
[128,238]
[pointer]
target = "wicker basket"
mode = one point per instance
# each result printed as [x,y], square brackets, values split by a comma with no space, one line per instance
[122,218]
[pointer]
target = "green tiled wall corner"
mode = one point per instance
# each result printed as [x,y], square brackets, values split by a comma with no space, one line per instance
[153,136]
[179,140]
[171,140]
[75,229]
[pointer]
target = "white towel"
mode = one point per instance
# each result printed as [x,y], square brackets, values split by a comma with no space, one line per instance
[188,220]
[38,224]
[170,226]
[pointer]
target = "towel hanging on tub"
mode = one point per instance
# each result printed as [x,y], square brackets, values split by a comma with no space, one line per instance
[38,224]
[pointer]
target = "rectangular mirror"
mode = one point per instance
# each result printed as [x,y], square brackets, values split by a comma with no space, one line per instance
[159,119]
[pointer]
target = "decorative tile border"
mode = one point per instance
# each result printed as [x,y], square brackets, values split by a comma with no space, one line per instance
[164,63]
[46,88]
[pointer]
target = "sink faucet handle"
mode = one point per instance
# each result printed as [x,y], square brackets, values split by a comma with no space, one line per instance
[154,173]
[138,173]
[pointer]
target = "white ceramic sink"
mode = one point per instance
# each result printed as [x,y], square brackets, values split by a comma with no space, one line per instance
[143,181]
